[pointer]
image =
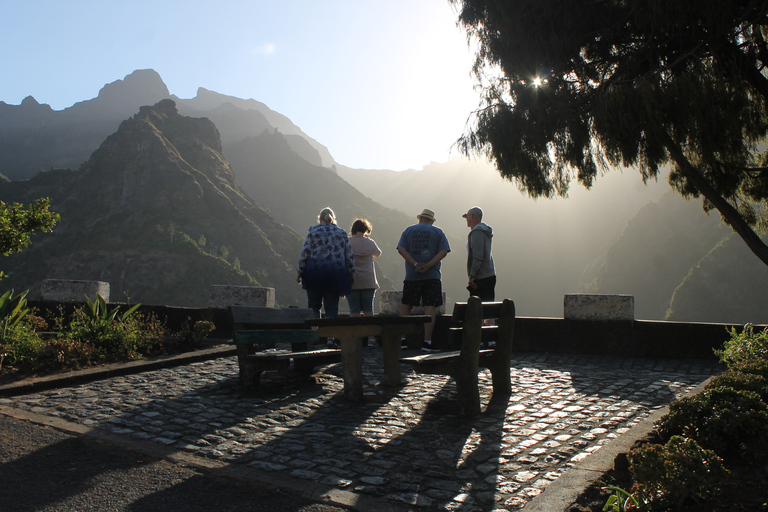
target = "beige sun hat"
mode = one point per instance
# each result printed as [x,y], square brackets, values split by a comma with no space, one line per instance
[427,214]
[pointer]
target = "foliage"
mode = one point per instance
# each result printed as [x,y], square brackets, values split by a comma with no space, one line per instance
[722,419]
[679,470]
[571,87]
[17,224]
[13,309]
[114,336]
[623,501]
[738,380]
[21,346]
[744,346]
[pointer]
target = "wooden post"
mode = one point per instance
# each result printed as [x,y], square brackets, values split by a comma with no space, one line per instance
[466,371]
[502,382]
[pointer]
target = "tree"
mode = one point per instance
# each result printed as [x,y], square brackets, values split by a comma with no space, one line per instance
[18,223]
[571,87]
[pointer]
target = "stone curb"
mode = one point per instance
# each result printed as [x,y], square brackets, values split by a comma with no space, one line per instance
[564,491]
[36,384]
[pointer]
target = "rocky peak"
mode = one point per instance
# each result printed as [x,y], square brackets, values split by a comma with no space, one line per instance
[143,86]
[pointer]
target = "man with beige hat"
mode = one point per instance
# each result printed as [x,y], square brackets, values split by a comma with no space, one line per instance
[423,246]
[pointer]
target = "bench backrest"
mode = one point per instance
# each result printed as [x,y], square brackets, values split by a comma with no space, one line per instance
[490,310]
[274,318]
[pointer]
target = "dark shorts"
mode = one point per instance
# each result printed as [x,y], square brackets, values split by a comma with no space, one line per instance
[486,289]
[427,292]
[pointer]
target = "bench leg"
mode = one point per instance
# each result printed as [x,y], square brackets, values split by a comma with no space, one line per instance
[467,391]
[502,383]
[249,378]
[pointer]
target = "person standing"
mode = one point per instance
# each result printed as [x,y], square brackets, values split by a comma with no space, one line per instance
[423,246]
[360,299]
[326,267]
[480,269]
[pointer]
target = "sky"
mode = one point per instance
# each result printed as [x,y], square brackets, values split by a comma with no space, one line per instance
[383,85]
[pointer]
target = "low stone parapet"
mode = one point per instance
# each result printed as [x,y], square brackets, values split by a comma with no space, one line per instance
[223,296]
[390,304]
[67,290]
[586,306]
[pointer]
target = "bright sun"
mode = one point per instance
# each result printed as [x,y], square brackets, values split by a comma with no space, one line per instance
[537,82]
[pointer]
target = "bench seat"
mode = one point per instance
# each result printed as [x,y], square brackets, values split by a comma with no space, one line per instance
[258,330]
[463,365]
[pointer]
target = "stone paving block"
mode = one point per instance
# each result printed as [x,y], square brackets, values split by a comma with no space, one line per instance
[403,445]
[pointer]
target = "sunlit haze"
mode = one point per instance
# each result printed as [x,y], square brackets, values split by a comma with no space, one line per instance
[381,84]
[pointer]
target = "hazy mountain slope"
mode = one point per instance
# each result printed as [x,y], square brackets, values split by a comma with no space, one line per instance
[207,104]
[294,191]
[34,136]
[540,247]
[137,213]
[729,284]
[683,265]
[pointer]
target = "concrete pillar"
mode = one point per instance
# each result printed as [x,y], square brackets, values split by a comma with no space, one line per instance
[65,290]
[586,306]
[223,296]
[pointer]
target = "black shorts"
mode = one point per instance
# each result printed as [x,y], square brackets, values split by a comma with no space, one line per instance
[426,292]
[486,289]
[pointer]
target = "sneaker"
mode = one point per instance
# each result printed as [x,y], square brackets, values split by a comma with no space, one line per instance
[333,343]
[427,347]
[491,344]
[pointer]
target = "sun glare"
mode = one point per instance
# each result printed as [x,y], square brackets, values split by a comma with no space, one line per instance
[537,82]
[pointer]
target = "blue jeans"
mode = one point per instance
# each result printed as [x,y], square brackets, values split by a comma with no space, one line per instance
[316,300]
[360,300]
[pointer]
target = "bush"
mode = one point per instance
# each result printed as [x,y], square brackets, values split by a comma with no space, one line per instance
[722,419]
[745,346]
[741,381]
[128,337]
[22,346]
[678,471]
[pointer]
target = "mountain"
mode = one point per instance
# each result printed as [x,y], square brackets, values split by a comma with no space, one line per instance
[729,282]
[35,137]
[541,247]
[221,190]
[683,265]
[155,211]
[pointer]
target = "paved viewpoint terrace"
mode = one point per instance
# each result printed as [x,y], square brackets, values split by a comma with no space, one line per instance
[403,448]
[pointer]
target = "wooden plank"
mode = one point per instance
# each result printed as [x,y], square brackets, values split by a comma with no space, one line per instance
[262,315]
[287,354]
[269,336]
[490,310]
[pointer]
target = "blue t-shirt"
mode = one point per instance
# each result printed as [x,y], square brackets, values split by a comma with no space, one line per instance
[423,241]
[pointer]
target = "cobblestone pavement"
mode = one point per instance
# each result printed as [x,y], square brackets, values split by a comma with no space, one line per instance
[403,445]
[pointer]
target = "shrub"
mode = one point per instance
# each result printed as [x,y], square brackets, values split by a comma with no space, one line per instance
[679,470]
[742,382]
[722,419]
[744,346]
[21,345]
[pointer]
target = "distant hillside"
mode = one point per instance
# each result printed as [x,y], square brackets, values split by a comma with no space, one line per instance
[155,211]
[681,264]
[35,137]
[541,248]
[728,284]
[294,190]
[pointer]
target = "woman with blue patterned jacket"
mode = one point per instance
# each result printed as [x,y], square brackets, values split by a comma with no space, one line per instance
[326,266]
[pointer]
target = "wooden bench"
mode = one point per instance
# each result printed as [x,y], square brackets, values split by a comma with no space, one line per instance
[464,364]
[259,330]
[350,330]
